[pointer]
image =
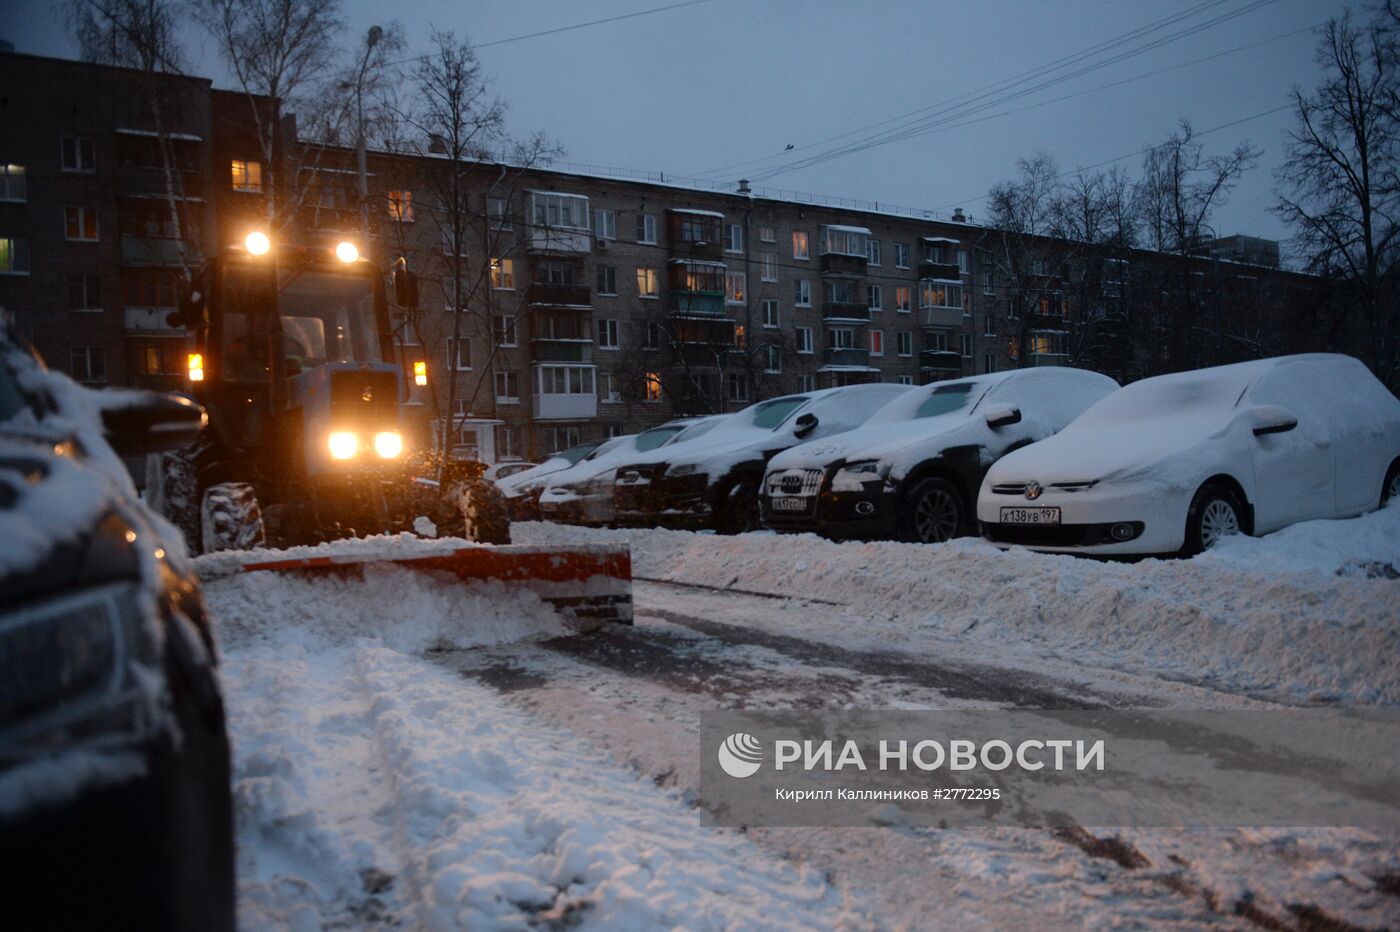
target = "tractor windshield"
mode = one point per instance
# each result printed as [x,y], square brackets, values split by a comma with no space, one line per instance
[327,318]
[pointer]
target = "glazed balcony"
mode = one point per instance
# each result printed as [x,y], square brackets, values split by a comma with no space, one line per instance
[837,265]
[553,294]
[845,312]
[849,356]
[940,359]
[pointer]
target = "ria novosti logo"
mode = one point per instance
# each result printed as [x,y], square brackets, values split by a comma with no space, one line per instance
[741,755]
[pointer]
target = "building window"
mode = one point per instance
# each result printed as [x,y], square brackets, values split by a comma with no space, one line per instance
[14,255]
[877,343]
[737,386]
[503,274]
[80,224]
[690,276]
[806,383]
[564,380]
[804,340]
[989,280]
[450,247]
[770,313]
[768,234]
[989,362]
[606,279]
[605,224]
[459,353]
[566,211]
[845,241]
[1115,274]
[904,379]
[158,357]
[940,294]
[872,251]
[802,293]
[507,443]
[963,265]
[769,264]
[989,326]
[901,255]
[652,337]
[12,183]
[555,272]
[1038,265]
[498,211]
[965,345]
[609,335]
[84,293]
[247,176]
[88,364]
[873,297]
[734,238]
[839,338]
[504,331]
[608,388]
[651,387]
[902,297]
[507,387]
[648,284]
[76,154]
[904,342]
[558,439]
[772,358]
[801,245]
[937,340]
[741,336]
[840,292]
[400,202]
[1049,343]
[735,288]
[646,229]
[149,288]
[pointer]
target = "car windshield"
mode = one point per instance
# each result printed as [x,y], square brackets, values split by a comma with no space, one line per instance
[574,454]
[770,414]
[699,429]
[1187,394]
[945,399]
[604,448]
[651,439]
[938,399]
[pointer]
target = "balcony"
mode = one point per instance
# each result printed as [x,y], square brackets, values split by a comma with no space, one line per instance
[547,349]
[845,312]
[694,234]
[551,294]
[697,249]
[149,320]
[689,330]
[940,359]
[838,265]
[137,250]
[561,241]
[565,407]
[940,318]
[1049,359]
[139,180]
[698,302]
[849,356]
[1038,321]
[945,271]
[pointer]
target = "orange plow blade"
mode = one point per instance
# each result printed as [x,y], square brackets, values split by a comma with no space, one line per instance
[587,585]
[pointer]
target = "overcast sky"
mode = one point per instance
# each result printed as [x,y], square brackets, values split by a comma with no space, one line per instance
[724,86]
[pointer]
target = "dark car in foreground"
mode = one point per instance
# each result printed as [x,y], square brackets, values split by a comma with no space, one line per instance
[114,762]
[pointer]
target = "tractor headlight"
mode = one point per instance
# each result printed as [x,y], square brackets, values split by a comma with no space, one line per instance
[388,444]
[343,444]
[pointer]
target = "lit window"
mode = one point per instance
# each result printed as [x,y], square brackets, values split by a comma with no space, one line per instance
[902,299]
[80,224]
[741,336]
[877,343]
[247,176]
[503,274]
[401,205]
[14,255]
[735,288]
[651,387]
[648,285]
[801,245]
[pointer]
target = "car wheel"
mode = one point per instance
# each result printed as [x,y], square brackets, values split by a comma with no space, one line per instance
[1390,489]
[1215,513]
[932,513]
[738,510]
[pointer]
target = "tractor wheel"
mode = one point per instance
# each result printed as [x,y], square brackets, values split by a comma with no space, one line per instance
[172,491]
[230,518]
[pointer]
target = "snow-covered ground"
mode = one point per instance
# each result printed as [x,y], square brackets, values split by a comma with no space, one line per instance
[1310,614]
[414,753]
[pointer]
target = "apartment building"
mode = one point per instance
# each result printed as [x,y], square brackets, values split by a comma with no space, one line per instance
[554,306]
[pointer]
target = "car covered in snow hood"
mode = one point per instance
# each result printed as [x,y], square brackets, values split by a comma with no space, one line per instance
[582,494]
[1172,463]
[522,490]
[115,805]
[912,471]
[713,480]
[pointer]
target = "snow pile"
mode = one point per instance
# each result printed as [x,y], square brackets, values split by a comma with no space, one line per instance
[1310,614]
[373,787]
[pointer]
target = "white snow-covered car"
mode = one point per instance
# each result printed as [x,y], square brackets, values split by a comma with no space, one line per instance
[913,470]
[505,470]
[582,494]
[1173,463]
[712,481]
[522,490]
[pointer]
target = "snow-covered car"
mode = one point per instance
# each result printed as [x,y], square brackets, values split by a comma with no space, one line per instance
[505,470]
[1173,463]
[912,471]
[115,807]
[522,490]
[583,493]
[712,481]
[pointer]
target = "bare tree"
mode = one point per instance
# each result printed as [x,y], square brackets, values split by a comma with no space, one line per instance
[1339,190]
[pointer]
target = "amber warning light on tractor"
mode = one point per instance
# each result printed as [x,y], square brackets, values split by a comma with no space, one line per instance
[420,372]
[194,362]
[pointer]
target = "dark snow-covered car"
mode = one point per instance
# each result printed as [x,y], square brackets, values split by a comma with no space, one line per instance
[1173,463]
[713,480]
[583,493]
[522,490]
[114,763]
[913,470]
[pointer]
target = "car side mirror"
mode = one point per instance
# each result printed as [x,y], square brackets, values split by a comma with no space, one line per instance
[1272,419]
[999,416]
[804,425]
[138,422]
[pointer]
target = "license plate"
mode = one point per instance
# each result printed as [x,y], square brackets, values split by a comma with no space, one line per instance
[1030,516]
[790,504]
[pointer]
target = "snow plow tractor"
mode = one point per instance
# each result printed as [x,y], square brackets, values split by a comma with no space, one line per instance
[294,361]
